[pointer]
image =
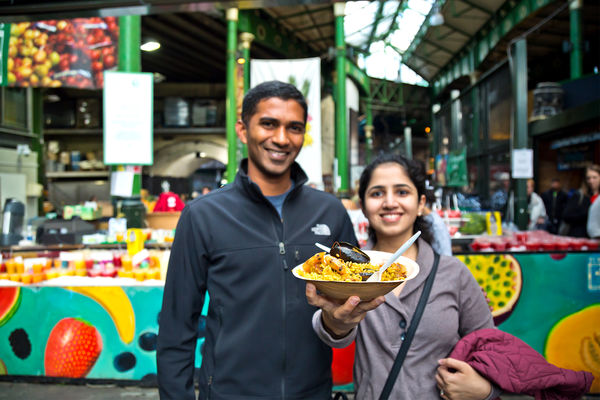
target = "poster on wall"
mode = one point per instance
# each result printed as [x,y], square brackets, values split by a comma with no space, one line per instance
[60,53]
[305,74]
[128,126]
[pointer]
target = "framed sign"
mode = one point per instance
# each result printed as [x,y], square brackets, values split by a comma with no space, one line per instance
[128,126]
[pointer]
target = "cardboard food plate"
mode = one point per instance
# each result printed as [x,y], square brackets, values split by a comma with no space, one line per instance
[341,290]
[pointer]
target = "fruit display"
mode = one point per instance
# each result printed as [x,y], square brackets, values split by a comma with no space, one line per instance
[500,278]
[60,53]
[574,343]
[72,348]
[533,241]
[148,265]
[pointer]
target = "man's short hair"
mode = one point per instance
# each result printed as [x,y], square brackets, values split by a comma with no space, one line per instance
[267,90]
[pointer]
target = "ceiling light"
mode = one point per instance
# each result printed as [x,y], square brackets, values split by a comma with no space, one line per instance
[150,45]
[436,18]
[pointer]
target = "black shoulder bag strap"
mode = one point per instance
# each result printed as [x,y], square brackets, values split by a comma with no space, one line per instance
[389,383]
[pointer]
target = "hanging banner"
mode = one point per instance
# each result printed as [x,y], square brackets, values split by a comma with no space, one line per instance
[456,168]
[61,53]
[305,74]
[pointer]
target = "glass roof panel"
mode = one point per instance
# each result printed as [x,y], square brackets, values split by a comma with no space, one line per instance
[384,60]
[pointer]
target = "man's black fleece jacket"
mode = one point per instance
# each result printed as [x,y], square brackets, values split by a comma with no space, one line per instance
[259,344]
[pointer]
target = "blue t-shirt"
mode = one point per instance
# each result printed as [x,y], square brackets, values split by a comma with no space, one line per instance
[278,200]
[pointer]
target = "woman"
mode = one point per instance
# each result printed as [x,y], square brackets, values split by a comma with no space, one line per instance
[392,197]
[575,215]
[592,178]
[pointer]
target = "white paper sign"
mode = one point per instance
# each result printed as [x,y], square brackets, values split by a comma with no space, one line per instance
[128,103]
[121,183]
[522,163]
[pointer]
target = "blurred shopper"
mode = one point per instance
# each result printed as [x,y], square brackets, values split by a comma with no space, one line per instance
[555,200]
[441,241]
[592,178]
[575,215]
[392,196]
[206,189]
[239,243]
[535,208]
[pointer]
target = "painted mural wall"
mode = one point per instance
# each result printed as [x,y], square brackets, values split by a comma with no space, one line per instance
[549,300]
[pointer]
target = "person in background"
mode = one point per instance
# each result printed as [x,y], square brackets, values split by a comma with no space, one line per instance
[392,196]
[442,242]
[575,215]
[592,178]
[535,208]
[167,200]
[206,189]
[240,244]
[555,200]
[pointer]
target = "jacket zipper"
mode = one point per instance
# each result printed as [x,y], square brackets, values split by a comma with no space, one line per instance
[283,309]
[210,378]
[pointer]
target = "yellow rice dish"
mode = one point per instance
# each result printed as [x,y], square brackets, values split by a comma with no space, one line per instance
[325,267]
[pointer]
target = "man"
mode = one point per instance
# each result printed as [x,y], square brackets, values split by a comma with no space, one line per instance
[555,201]
[240,244]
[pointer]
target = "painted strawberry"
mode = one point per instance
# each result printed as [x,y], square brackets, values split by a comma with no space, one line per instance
[72,348]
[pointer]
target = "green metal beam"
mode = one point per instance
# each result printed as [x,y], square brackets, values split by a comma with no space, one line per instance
[375,23]
[37,142]
[437,46]
[230,101]
[269,33]
[341,134]
[359,76]
[519,89]
[130,60]
[575,35]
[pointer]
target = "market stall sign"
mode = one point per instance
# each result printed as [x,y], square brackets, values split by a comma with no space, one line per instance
[571,141]
[128,118]
[456,168]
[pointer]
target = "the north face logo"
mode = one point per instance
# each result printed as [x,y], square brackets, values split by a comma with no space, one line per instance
[321,229]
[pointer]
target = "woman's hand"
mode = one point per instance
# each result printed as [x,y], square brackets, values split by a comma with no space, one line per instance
[464,383]
[340,318]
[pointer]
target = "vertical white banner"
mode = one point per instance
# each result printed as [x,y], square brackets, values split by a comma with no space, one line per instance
[305,74]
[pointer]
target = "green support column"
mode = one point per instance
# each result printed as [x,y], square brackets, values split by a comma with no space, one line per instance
[341,134]
[37,142]
[130,61]
[576,42]
[455,138]
[519,89]
[230,103]
[246,39]
[369,131]
[435,130]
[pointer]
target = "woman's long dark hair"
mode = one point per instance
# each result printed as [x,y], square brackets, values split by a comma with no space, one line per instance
[415,171]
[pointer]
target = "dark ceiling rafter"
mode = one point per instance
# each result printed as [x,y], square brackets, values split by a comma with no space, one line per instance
[317,28]
[476,6]
[437,46]
[307,11]
[181,40]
